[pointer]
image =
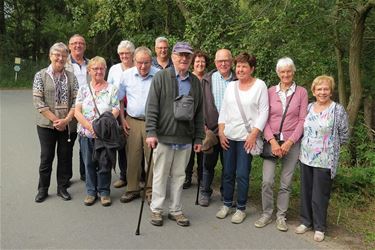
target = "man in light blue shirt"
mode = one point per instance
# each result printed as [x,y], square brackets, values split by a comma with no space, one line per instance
[135,84]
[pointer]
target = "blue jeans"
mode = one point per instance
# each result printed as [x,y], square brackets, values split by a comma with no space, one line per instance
[237,166]
[98,178]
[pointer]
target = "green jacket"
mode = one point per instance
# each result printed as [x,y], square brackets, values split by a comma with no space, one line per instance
[160,121]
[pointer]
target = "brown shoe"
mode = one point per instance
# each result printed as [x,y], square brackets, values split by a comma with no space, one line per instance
[106,201]
[156,219]
[89,200]
[128,197]
[119,183]
[181,219]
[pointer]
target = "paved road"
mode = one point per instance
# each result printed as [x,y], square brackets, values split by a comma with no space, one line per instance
[57,224]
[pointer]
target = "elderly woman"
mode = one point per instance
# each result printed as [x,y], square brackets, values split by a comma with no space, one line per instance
[200,62]
[237,135]
[96,96]
[325,130]
[125,50]
[283,130]
[54,95]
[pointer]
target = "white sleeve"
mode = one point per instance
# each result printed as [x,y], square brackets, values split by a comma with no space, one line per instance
[224,108]
[263,108]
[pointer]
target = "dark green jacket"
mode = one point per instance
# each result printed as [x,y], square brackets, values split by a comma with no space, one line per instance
[160,121]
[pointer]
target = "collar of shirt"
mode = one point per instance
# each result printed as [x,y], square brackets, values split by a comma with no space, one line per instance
[86,61]
[182,78]
[228,79]
[289,91]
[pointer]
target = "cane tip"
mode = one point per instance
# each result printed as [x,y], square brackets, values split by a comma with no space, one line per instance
[137,233]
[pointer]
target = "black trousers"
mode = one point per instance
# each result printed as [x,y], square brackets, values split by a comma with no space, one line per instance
[316,184]
[190,166]
[48,139]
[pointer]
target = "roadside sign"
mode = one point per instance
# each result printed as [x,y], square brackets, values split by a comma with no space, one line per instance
[17,68]
[17,60]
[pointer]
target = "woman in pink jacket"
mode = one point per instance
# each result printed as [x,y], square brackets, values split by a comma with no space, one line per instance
[285,142]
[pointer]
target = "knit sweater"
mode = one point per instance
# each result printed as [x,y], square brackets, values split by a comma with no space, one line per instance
[160,121]
[293,124]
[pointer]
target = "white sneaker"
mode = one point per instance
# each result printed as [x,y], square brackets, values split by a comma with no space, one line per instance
[319,236]
[223,212]
[301,229]
[238,217]
[263,221]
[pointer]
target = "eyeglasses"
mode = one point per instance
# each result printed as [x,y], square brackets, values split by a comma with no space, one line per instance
[124,53]
[143,63]
[77,43]
[59,55]
[162,48]
[223,61]
[187,55]
[96,69]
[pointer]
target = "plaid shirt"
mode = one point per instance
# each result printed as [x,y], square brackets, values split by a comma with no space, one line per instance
[219,84]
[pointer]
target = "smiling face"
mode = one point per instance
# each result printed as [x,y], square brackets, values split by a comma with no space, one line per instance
[161,50]
[58,59]
[126,56]
[223,62]
[181,62]
[286,74]
[199,65]
[77,46]
[323,92]
[97,71]
[243,71]
[143,63]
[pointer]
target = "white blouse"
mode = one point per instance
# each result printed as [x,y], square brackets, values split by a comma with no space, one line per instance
[255,105]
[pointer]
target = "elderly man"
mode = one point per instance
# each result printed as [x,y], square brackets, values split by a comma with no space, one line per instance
[171,135]
[162,60]
[125,50]
[135,85]
[77,63]
[214,84]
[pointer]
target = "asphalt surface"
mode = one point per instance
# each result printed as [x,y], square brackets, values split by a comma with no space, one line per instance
[58,224]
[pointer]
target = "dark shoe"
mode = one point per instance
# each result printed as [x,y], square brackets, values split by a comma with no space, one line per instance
[83,178]
[187,184]
[204,201]
[156,219]
[181,219]
[41,196]
[63,194]
[128,197]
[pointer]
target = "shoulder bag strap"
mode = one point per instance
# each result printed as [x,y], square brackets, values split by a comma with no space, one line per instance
[237,95]
[93,99]
[286,110]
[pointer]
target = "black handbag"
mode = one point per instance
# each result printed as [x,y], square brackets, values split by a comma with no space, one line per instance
[183,108]
[267,148]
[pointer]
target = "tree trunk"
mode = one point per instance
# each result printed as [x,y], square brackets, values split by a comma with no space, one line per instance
[339,51]
[356,40]
[2,19]
[368,110]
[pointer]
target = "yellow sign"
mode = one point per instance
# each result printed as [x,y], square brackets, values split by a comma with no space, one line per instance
[17,60]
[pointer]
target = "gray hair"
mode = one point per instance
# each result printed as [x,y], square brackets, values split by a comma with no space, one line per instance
[125,44]
[285,62]
[60,47]
[76,35]
[161,39]
[143,49]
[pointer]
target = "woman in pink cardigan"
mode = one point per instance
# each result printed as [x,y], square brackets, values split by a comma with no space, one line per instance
[285,144]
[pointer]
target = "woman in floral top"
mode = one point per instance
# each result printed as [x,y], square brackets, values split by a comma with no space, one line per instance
[98,178]
[325,130]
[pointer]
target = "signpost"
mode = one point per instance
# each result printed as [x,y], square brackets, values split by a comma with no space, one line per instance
[17,67]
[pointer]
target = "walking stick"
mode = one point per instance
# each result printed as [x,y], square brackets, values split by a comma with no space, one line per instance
[144,192]
[199,177]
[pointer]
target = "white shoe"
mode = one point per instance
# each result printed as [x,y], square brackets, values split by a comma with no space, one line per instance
[301,229]
[238,217]
[223,212]
[319,236]
[263,221]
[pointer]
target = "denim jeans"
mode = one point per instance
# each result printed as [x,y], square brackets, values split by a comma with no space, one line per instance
[237,167]
[209,170]
[98,178]
[48,139]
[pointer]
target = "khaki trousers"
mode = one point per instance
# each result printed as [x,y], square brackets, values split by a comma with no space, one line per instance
[136,148]
[168,163]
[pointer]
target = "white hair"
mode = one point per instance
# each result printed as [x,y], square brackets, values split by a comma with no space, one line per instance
[125,44]
[60,47]
[143,49]
[285,62]
[161,39]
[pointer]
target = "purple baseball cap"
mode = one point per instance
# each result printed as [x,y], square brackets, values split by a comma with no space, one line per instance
[182,47]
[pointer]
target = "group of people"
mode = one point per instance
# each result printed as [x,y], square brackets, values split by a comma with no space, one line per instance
[173,113]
